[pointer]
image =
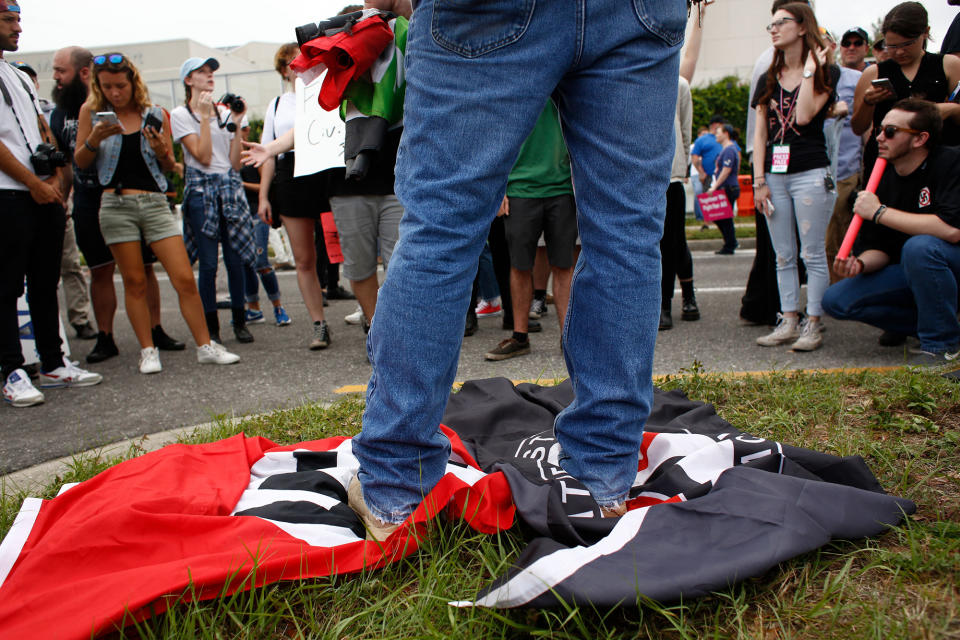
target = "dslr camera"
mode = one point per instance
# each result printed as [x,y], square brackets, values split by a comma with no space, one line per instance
[236,103]
[47,158]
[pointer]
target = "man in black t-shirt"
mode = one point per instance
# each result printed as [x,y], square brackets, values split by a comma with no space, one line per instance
[904,274]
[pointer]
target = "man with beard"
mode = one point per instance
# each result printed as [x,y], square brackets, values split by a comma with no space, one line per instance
[72,67]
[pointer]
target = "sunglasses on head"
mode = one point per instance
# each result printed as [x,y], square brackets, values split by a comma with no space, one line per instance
[851,43]
[109,58]
[890,130]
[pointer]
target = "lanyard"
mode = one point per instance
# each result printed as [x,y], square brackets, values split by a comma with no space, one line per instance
[785,119]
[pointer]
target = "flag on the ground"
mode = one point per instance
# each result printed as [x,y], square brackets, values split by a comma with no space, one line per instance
[711,506]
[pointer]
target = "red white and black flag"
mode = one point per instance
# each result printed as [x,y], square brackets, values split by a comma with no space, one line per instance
[710,506]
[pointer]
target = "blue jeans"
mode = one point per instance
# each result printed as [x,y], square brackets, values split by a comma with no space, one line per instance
[802,203]
[486,278]
[207,247]
[477,79]
[697,190]
[261,234]
[892,298]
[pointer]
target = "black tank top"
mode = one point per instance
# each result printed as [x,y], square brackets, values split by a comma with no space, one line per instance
[132,171]
[930,83]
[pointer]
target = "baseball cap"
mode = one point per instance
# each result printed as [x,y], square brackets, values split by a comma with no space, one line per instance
[856,31]
[9,5]
[192,64]
[716,119]
[23,66]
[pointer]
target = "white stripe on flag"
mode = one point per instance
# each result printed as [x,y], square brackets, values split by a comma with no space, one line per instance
[552,569]
[12,545]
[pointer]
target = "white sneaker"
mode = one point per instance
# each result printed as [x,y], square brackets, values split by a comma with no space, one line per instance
[354,318]
[811,336]
[19,391]
[150,360]
[215,353]
[69,375]
[787,331]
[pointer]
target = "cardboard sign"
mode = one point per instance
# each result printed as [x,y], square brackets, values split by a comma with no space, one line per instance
[319,135]
[715,206]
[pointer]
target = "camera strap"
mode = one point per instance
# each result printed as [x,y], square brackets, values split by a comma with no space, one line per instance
[9,100]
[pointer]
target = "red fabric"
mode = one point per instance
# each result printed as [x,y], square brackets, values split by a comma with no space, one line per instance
[146,533]
[346,56]
[331,238]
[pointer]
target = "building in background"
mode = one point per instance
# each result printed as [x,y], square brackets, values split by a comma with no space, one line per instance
[734,35]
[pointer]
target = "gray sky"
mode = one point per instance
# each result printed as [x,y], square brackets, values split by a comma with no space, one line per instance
[50,24]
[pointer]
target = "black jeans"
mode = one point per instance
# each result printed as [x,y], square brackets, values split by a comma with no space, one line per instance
[31,242]
[674,253]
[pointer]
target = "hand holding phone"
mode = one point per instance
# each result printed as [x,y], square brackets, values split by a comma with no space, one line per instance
[882,83]
[154,122]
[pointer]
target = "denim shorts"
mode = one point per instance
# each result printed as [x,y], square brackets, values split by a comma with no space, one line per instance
[130,218]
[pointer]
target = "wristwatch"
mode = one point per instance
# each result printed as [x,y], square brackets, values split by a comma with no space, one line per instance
[807,73]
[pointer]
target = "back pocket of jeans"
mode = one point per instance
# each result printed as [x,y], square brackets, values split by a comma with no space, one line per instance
[666,19]
[472,28]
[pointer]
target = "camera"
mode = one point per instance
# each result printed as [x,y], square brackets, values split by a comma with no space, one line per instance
[236,103]
[47,158]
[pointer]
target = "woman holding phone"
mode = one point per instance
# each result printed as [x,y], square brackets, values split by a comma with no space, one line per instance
[909,72]
[794,191]
[129,141]
[215,209]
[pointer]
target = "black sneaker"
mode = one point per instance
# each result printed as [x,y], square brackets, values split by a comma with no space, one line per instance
[104,349]
[666,320]
[85,331]
[538,308]
[891,339]
[470,325]
[164,342]
[509,348]
[339,293]
[321,336]
[690,310]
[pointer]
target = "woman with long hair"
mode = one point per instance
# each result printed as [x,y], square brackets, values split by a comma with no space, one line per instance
[725,178]
[298,201]
[791,182]
[215,210]
[131,146]
[909,72]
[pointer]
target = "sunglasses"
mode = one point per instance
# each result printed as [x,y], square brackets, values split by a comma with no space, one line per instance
[776,24]
[110,58]
[902,45]
[890,130]
[851,43]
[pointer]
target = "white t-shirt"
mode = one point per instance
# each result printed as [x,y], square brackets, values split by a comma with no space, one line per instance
[10,134]
[275,125]
[183,123]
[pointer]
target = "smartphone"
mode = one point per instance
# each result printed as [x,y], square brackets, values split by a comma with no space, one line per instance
[883,83]
[770,207]
[155,122]
[109,117]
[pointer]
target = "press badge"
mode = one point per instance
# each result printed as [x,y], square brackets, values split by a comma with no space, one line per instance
[780,159]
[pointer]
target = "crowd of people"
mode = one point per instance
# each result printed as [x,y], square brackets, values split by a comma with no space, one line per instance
[559,192]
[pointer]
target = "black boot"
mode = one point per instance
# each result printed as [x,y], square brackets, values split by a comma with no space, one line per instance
[666,320]
[213,326]
[690,310]
[470,325]
[240,325]
[105,348]
[164,342]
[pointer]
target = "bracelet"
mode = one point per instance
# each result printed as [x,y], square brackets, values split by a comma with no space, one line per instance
[89,146]
[760,184]
[879,214]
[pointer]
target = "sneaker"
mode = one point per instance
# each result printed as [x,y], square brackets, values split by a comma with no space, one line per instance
[689,310]
[339,293]
[924,358]
[280,315]
[18,391]
[509,348]
[488,309]
[377,529]
[104,348]
[724,252]
[321,336]
[354,318]
[150,360]
[787,330]
[215,353]
[538,308]
[810,337]
[85,331]
[255,317]
[69,375]
[164,342]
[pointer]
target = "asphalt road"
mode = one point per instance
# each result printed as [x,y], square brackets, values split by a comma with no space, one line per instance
[278,371]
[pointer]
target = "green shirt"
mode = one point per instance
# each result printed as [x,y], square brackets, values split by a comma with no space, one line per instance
[542,169]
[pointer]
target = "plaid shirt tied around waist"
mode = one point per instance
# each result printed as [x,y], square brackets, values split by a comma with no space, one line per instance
[221,193]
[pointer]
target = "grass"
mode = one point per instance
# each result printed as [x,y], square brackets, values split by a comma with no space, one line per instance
[745,229]
[904,584]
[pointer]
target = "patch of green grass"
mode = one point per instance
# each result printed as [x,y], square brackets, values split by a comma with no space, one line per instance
[904,584]
[745,229]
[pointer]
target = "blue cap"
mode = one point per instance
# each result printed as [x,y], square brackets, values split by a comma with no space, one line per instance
[192,64]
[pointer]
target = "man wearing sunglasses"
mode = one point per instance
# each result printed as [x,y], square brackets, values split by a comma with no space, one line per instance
[31,232]
[854,46]
[904,274]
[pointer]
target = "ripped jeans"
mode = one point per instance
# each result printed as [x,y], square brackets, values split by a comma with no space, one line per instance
[802,203]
